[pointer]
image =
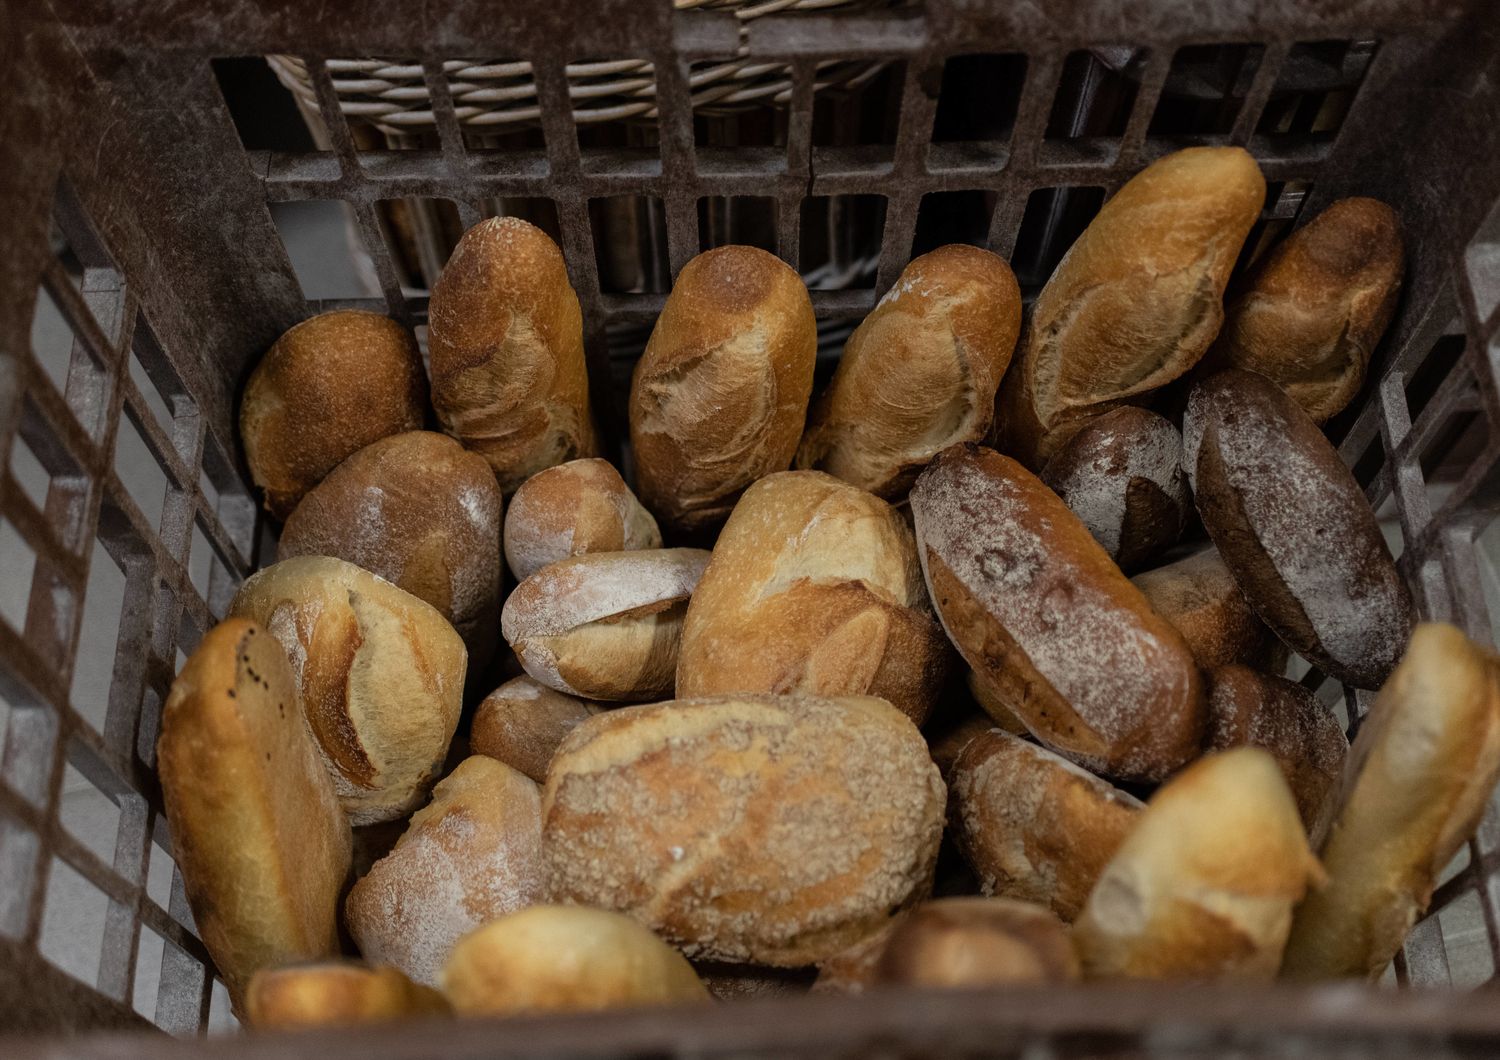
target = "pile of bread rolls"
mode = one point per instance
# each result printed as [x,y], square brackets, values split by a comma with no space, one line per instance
[1024,582]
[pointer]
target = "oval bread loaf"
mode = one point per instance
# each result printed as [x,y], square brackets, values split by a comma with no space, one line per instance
[606,625]
[813,587]
[505,335]
[771,829]
[1036,605]
[572,509]
[335,994]
[720,395]
[381,676]
[522,722]
[1198,595]
[972,942]
[919,374]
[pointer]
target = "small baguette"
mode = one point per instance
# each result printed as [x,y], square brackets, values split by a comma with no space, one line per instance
[572,509]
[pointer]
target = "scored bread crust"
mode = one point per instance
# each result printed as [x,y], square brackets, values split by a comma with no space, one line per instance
[572,509]
[719,397]
[256,829]
[505,337]
[336,994]
[813,586]
[1198,595]
[919,373]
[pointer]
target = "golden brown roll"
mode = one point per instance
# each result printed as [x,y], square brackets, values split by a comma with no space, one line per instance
[505,336]
[326,389]
[335,994]
[522,722]
[919,374]
[1198,595]
[574,508]
[720,395]
[972,942]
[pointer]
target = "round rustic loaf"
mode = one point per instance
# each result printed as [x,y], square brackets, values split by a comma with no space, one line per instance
[423,513]
[522,722]
[572,509]
[972,942]
[381,676]
[719,397]
[1293,525]
[769,829]
[919,374]
[326,389]
[606,625]
[1198,595]
[339,993]
[505,336]
[813,587]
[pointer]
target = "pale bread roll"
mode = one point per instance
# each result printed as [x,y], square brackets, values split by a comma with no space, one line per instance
[336,994]
[1204,886]
[381,676]
[919,374]
[1198,595]
[1136,300]
[1033,825]
[423,513]
[769,829]
[256,830]
[606,625]
[973,942]
[572,509]
[565,959]
[719,397]
[470,855]
[522,722]
[1419,775]
[505,335]
[326,389]
[813,587]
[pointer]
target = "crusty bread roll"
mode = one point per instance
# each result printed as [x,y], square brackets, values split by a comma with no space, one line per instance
[1121,474]
[256,829]
[1291,522]
[381,676]
[606,625]
[1310,315]
[1203,887]
[1136,300]
[423,513]
[1033,825]
[992,702]
[326,389]
[971,942]
[814,587]
[572,509]
[1420,773]
[522,722]
[505,336]
[720,395]
[1198,595]
[470,855]
[771,829]
[1035,604]
[919,374]
[335,994]
[565,959]
[1281,717]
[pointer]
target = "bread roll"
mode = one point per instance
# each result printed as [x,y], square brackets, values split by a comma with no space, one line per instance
[1121,474]
[572,509]
[256,830]
[971,942]
[1135,302]
[991,701]
[505,336]
[606,625]
[770,829]
[720,395]
[424,514]
[558,959]
[1203,887]
[335,994]
[1252,709]
[381,676]
[814,587]
[326,389]
[1198,595]
[522,722]
[1034,826]
[1420,773]
[1036,605]
[852,970]
[470,855]
[1312,312]
[919,374]
[1293,525]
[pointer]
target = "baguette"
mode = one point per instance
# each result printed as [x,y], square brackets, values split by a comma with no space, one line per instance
[572,509]
[335,994]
